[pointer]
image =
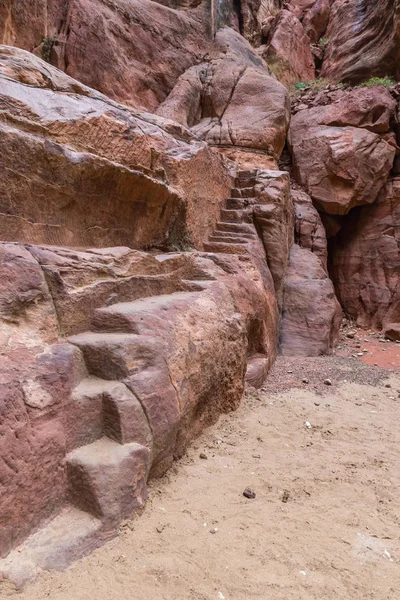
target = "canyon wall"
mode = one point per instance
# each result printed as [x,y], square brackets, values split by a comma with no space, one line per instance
[187,188]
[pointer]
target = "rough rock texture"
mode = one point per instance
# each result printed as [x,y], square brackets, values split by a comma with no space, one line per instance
[165,354]
[231,101]
[363,40]
[309,231]
[137,48]
[365,261]
[117,176]
[338,157]
[311,314]
[316,19]
[288,52]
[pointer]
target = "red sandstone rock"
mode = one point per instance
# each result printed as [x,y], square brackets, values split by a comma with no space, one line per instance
[337,158]
[309,230]
[311,313]
[316,19]
[137,49]
[363,41]
[288,53]
[231,101]
[118,177]
[366,261]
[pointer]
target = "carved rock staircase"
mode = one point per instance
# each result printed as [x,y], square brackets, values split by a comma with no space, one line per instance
[123,415]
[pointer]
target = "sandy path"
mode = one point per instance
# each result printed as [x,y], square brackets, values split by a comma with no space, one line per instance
[337,536]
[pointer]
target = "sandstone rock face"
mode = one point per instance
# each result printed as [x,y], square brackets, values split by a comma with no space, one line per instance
[232,101]
[316,19]
[309,230]
[311,314]
[365,261]
[363,40]
[139,48]
[288,53]
[117,176]
[159,350]
[338,158]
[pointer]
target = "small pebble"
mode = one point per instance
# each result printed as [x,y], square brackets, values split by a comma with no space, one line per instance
[214,530]
[286,496]
[248,493]
[328,382]
[305,380]
[203,456]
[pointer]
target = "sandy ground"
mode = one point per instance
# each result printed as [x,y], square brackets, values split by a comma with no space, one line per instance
[324,463]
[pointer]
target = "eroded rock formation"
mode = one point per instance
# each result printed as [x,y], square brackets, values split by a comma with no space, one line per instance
[152,263]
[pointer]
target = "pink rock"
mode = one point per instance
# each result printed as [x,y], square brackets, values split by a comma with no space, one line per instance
[288,53]
[311,314]
[366,261]
[338,159]
[363,41]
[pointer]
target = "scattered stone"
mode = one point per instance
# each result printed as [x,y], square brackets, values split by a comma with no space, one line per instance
[350,335]
[248,493]
[285,496]
[328,381]
[214,530]
[203,456]
[305,380]
[308,425]
[256,455]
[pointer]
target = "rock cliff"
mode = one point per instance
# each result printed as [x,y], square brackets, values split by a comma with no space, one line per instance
[187,189]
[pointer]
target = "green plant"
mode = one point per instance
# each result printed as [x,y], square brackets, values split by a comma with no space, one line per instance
[312,86]
[323,42]
[48,43]
[374,81]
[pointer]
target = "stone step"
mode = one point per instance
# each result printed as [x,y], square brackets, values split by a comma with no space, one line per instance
[107,479]
[143,316]
[242,192]
[67,537]
[223,247]
[99,407]
[236,203]
[108,355]
[235,234]
[228,239]
[235,227]
[235,216]
[83,419]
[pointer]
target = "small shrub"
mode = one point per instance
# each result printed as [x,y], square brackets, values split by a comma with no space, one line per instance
[312,86]
[374,81]
[48,43]
[323,42]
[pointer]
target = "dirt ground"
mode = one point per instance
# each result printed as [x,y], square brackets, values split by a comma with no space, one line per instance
[324,463]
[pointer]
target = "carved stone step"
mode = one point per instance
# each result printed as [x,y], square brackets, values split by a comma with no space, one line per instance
[242,192]
[235,227]
[222,247]
[142,316]
[108,480]
[108,355]
[69,536]
[228,239]
[233,234]
[235,216]
[236,203]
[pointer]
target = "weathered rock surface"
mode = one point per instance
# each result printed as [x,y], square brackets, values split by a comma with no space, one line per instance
[363,41]
[118,176]
[311,314]
[365,261]
[166,352]
[309,230]
[288,52]
[338,158]
[231,101]
[137,49]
